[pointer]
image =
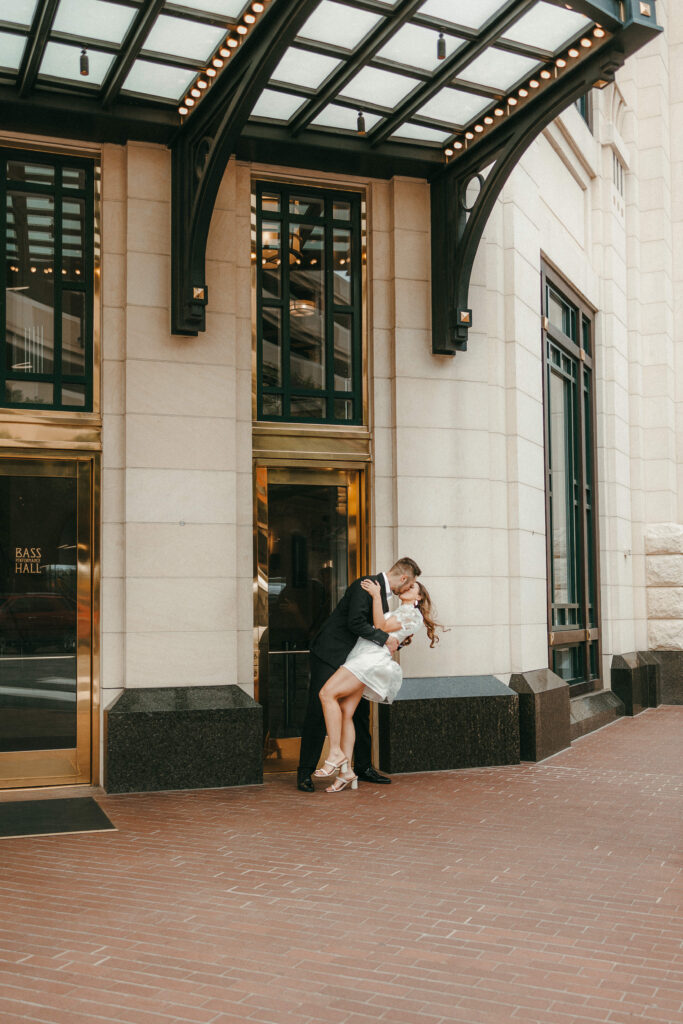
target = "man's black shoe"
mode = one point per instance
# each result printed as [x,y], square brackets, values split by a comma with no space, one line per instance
[304,782]
[372,775]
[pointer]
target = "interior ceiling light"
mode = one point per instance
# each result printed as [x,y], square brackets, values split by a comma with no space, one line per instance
[301,307]
[85,63]
[360,123]
[441,47]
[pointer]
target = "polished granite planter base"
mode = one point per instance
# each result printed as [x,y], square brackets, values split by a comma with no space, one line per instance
[543,713]
[449,722]
[636,680]
[671,676]
[591,711]
[194,737]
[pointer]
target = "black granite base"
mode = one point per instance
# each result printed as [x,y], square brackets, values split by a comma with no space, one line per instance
[671,676]
[194,737]
[635,678]
[591,711]
[449,722]
[543,713]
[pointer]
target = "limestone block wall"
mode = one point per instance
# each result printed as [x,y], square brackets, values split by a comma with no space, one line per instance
[176,562]
[664,573]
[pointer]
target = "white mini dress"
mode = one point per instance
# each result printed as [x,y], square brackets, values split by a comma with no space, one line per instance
[374,665]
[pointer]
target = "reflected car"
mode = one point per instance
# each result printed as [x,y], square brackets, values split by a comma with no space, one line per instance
[29,621]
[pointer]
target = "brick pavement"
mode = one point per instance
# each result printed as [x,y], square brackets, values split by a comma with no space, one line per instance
[544,894]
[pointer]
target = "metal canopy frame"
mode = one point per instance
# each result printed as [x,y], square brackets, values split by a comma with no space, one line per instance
[236,114]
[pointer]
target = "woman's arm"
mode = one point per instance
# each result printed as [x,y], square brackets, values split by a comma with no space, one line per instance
[374,589]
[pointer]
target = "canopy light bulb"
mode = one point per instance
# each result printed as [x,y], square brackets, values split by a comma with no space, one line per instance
[598,32]
[512,101]
[217,62]
[211,72]
[232,42]
[586,43]
[224,52]
[534,83]
[523,93]
[250,19]
[499,111]
[201,84]
[546,74]
[457,145]
[573,52]
[469,135]
[183,110]
[488,119]
[448,152]
[195,92]
[561,62]
[189,102]
[242,30]
[257,7]
[479,128]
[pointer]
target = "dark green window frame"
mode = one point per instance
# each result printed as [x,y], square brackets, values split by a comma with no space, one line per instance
[60,191]
[276,401]
[574,638]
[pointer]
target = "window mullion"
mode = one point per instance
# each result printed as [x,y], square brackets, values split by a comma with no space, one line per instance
[284,256]
[3,285]
[329,307]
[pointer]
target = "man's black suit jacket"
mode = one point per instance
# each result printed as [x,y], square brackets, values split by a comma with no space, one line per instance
[350,619]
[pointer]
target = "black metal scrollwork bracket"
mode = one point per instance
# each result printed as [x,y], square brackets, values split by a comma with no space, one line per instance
[202,147]
[463,193]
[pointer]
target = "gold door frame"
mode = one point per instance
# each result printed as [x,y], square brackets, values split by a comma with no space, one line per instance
[351,475]
[78,765]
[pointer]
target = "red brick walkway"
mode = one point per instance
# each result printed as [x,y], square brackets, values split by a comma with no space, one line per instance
[545,893]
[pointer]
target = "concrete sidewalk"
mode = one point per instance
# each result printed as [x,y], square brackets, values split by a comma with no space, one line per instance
[543,893]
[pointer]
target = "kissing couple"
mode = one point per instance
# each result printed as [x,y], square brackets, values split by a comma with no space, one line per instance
[352,658]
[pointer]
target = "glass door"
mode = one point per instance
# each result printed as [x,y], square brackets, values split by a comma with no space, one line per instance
[308,550]
[46,586]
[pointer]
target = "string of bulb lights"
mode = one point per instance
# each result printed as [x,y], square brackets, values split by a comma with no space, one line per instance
[223,54]
[508,105]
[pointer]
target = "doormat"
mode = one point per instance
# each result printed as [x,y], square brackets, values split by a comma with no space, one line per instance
[25,818]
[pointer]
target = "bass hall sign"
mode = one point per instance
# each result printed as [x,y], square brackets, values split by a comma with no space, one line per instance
[27,560]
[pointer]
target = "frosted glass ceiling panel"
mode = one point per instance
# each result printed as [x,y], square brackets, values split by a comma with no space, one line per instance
[183,38]
[339,25]
[94,19]
[305,68]
[158,80]
[470,13]
[416,46]
[11,50]
[547,27]
[383,88]
[227,8]
[19,12]
[498,69]
[334,116]
[63,61]
[420,133]
[454,106]
[278,105]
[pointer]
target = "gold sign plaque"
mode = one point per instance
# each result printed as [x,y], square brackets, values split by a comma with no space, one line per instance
[27,561]
[646,10]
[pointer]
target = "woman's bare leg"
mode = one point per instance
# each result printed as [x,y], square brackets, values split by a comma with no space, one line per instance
[348,707]
[339,686]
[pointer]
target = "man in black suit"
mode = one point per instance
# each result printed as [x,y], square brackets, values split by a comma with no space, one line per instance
[352,618]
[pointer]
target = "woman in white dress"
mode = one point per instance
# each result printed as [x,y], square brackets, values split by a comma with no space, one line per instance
[370,672]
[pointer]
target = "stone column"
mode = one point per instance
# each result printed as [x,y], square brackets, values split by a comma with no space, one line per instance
[664,573]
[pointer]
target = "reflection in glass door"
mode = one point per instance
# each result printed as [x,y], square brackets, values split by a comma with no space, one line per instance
[45,620]
[308,550]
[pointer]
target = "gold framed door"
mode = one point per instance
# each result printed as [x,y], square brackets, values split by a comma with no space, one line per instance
[309,545]
[47,698]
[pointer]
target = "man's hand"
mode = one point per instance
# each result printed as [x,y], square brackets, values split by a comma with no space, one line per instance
[392,644]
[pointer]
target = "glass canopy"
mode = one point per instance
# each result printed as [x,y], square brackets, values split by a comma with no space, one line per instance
[427,74]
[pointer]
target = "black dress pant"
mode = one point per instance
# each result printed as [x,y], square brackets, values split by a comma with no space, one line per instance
[313,733]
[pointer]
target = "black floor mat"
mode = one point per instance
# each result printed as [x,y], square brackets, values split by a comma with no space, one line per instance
[22,818]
